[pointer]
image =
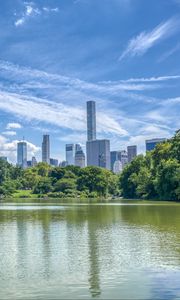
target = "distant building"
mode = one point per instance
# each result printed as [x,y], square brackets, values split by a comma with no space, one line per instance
[123,157]
[132,152]
[79,156]
[46,149]
[54,162]
[63,164]
[70,154]
[98,153]
[22,154]
[117,167]
[151,144]
[29,163]
[114,156]
[3,158]
[91,120]
[34,161]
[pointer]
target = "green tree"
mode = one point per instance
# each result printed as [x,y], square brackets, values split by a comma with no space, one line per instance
[167,182]
[43,186]
[128,178]
[65,185]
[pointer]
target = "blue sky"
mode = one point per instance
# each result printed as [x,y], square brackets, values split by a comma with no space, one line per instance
[57,54]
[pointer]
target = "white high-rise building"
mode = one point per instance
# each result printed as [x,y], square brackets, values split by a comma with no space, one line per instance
[22,154]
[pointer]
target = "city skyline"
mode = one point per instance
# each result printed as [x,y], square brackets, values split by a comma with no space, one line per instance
[57,55]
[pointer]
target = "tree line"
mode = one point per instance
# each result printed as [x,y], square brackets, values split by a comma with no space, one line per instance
[153,176]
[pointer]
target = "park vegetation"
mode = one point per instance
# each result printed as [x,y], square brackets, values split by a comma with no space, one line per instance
[153,176]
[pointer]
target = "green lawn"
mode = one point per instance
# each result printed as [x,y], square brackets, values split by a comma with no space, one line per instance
[24,194]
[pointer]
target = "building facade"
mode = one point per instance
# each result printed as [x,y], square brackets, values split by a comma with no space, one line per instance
[91,120]
[54,162]
[98,153]
[4,158]
[70,154]
[22,154]
[151,144]
[63,164]
[123,157]
[117,167]
[114,156]
[132,152]
[34,161]
[79,156]
[46,149]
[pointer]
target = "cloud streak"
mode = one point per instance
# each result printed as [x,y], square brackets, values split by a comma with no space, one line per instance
[30,10]
[51,99]
[140,44]
[13,126]
[33,108]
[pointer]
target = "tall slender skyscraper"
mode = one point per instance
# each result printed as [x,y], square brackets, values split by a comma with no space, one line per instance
[46,149]
[22,154]
[91,120]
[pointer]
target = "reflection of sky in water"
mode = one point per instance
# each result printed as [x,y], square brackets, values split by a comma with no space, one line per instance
[31,207]
[64,251]
[165,284]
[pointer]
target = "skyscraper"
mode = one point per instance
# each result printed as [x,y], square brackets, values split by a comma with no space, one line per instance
[114,156]
[70,154]
[22,154]
[54,162]
[91,120]
[123,157]
[79,156]
[98,153]
[151,144]
[46,149]
[132,152]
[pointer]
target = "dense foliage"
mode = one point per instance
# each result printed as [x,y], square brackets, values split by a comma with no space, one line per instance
[156,175]
[153,176]
[57,182]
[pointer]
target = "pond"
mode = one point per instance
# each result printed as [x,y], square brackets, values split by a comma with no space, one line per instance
[84,250]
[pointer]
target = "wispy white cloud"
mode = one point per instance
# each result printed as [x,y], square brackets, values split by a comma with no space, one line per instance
[43,80]
[62,111]
[169,53]
[153,79]
[140,44]
[10,133]
[13,126]
[61,115]
[31,10]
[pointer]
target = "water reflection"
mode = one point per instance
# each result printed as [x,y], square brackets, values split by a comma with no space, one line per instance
[70,249]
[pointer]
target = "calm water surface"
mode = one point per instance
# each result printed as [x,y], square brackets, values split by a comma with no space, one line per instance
[60,250]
